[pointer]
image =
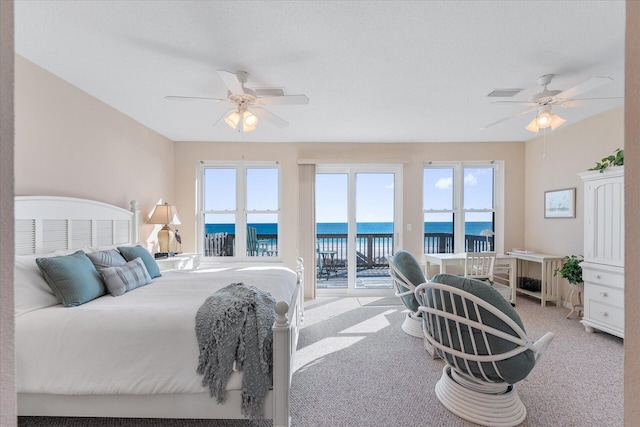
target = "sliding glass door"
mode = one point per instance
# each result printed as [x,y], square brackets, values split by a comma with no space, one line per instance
[357,215]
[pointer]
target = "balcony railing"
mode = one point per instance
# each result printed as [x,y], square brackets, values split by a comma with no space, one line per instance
[224,244]
[371,249]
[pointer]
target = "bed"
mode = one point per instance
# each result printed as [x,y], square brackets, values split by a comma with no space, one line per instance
[134,355]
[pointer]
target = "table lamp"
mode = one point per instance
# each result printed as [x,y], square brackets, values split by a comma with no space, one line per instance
[168,215]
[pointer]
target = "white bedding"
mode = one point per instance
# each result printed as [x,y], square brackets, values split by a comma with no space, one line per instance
[142,342]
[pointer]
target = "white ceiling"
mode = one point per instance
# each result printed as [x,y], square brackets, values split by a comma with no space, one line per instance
[375,71]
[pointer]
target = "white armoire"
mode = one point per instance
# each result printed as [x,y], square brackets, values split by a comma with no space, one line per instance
[603,266]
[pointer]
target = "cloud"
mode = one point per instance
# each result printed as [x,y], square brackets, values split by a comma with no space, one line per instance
[470,179]
[389,187]
[444,183]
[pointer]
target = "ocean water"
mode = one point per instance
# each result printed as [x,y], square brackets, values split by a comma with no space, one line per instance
[472,228]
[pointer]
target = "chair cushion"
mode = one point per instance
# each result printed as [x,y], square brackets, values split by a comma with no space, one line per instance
[512,369]
[408,265]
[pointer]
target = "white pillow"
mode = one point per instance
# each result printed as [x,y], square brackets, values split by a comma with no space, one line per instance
[31,290]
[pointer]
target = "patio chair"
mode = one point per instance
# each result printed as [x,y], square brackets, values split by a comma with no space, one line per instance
[407,275]
[483,341]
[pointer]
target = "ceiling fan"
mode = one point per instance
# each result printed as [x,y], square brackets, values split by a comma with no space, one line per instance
[248,103]
[543,102]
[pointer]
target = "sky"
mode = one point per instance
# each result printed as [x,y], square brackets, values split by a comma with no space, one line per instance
[374,195]
[373,200]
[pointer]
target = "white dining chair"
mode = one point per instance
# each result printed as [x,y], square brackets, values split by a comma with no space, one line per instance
[479,265]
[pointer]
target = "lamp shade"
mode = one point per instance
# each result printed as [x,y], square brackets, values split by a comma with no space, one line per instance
[233,119]
[164,214]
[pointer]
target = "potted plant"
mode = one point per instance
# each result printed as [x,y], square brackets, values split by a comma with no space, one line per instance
[616,159]
[572,271]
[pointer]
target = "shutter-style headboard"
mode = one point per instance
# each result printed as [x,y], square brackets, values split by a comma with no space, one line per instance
[48,223]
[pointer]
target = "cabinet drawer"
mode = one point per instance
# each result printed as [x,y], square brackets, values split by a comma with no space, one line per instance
[603,277]
[605,314]
[604,294]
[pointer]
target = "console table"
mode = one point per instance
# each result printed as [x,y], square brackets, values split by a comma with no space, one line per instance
[548,282]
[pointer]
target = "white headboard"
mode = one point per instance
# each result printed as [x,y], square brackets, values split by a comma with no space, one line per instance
[48,223]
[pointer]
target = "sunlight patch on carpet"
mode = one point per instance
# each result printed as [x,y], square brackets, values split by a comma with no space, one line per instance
[318,350]
[371,325]
[379,301]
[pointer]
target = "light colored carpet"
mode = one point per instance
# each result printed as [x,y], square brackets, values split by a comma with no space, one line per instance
[355,367]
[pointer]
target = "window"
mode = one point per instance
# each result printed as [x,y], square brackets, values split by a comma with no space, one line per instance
[461,207]
[239,207]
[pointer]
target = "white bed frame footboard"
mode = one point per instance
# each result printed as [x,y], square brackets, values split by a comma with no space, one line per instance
[47,224]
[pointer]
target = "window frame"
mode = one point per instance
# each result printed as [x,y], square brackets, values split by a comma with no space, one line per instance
[458,210]
[241,212]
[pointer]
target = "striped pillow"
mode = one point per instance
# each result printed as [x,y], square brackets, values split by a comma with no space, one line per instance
[125,278]
[106,259]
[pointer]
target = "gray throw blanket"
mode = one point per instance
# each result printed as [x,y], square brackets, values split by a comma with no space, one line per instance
[234,325]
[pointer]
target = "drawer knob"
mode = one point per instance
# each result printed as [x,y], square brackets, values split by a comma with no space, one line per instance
[604,314]
[598,276]
[603,294]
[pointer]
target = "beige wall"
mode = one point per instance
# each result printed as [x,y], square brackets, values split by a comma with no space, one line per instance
[68,143]
[7,367]
[552,163]
[632,225]
[412,156]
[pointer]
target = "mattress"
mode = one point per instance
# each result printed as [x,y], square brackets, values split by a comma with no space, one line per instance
[142,342]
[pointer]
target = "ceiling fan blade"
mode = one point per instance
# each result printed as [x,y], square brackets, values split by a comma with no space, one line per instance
[231,81]
[573,103]
[193,98]
[268,91]
[528,110]
[270,117]
[583,87]
[527,103]
[284,100]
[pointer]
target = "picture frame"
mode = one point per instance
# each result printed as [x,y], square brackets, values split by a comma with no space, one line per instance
[560,203]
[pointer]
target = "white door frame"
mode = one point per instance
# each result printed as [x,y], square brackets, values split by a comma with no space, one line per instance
[351,170]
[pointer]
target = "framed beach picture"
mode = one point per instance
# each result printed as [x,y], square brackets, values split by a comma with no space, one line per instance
[560,203]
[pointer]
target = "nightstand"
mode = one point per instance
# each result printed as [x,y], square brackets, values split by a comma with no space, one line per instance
[184,261]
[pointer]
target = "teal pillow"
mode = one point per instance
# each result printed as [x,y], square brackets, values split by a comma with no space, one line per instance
[132,252]
[73,278]
[408,265]
[121,279]
[105,259]
[513,369]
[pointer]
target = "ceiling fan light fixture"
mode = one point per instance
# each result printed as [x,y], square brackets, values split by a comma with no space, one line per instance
[545,119]
[249,119]
[233,119]
[533,126]
[556,121]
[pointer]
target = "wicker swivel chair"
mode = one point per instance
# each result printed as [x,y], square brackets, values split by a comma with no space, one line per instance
[483,341]
[407,274]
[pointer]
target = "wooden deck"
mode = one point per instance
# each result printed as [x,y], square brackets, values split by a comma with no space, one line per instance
[367,278]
